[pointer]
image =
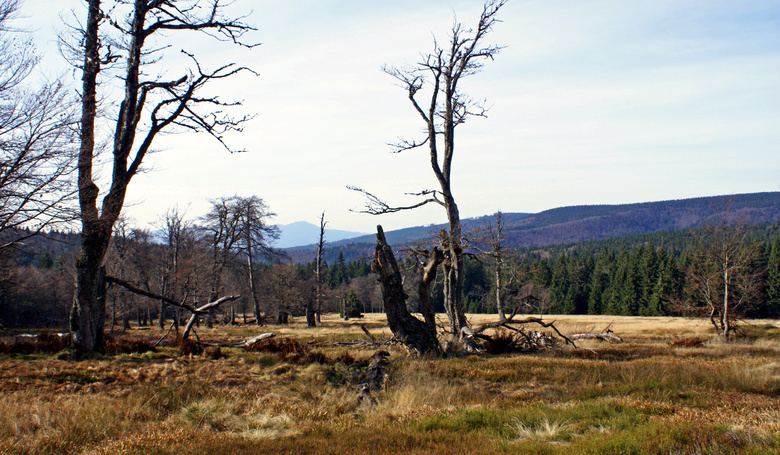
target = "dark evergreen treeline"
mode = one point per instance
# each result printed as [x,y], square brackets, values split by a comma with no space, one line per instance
[338,274]
[647,274]
[641,275]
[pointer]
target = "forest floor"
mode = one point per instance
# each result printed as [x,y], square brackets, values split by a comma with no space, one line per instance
[671,387]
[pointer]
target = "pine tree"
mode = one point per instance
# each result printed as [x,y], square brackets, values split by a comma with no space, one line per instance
[559,285]
[772,287]
[599,282]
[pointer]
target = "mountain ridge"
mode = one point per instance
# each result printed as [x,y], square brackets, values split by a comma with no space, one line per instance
[578,223]
[302,233]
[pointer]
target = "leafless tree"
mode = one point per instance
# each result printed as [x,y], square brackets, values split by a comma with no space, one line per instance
[311,319]
[239,226]
[255,238]
[495,251]
[722,274]
[223,227]
[438,76]
[285,291]
[129,36]
[176,234]
[36,136]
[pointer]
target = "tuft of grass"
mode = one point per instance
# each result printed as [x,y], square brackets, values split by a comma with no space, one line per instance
[545,430]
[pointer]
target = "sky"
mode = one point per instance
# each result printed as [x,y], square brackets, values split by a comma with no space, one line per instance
[591,102]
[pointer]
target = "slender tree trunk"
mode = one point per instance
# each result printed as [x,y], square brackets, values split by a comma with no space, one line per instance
[453,276]
[725,323]
[314,318]
[252,288]
[499,296]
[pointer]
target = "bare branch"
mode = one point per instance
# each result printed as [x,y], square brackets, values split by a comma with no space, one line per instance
[376,206]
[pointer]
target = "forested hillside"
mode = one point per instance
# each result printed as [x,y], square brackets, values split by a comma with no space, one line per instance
[579,223]
[645,273]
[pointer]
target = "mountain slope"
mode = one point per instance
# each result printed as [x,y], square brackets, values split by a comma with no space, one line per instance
[304,233]
[587,222]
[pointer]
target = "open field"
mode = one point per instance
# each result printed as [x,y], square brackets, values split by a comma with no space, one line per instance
[641,396]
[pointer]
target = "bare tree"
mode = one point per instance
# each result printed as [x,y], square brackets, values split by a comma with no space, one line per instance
[239,226]
[129,35]
[311,319]
[255,238]
[285,291]
[439,75]
[495,251]
[36,136]
[176,231]
[223,227]
[722,273]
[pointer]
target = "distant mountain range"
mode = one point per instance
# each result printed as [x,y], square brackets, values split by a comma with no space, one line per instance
[574,224]
[304,233]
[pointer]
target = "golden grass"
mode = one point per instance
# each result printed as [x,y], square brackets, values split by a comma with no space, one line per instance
[639,397]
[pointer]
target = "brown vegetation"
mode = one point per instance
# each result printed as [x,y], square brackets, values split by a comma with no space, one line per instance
[300,393]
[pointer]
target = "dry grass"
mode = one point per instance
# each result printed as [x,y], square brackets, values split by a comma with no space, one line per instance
[644,396]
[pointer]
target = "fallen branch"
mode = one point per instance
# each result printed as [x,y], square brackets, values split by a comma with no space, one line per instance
[164,336]
[254,340]
[203,310]
[603,336]
[368,334]
[469,333]
[151,295]
[195,311]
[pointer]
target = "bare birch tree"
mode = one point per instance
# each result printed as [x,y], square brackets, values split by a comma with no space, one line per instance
[433,88]
[128,36]
[722,273]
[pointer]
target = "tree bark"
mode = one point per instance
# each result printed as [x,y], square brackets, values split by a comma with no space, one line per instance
[415,334]
[88,312]
[423,291]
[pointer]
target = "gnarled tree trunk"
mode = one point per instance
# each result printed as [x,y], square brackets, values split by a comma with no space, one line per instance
[415,334]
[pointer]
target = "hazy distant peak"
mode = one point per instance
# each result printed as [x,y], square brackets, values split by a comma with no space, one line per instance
[302,233]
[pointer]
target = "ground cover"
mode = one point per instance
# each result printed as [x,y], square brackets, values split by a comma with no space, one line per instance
[654,393]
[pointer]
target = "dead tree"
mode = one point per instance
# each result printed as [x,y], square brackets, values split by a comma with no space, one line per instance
[416,335]
[313,314]
[438,75]
[429,268]
[134,45]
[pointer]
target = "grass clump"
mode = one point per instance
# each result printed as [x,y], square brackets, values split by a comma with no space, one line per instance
[544,431]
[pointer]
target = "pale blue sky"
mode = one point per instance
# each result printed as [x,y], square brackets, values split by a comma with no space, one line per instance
[593,102]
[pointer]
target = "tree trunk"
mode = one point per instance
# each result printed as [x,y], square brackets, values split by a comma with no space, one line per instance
[726,327]
[415,334]
[161,319]
[429,275]
[453,268]
[88,312]
[252,288]
[311,320]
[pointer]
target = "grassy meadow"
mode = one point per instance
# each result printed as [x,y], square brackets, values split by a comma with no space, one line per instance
[669,388]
